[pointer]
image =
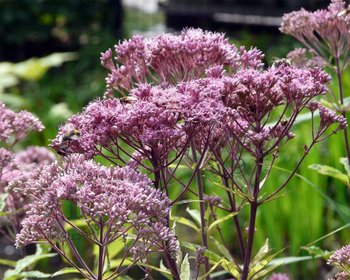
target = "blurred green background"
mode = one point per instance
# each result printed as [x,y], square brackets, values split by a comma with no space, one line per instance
[308,210]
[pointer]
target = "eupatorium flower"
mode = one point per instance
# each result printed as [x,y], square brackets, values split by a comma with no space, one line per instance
[169,59]
[17,124]
[301,57]
[324,31]
[119,200]
[340,257]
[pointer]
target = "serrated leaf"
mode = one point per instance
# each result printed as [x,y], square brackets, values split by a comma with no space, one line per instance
[221,220]
[330,171]
[185,272]
[195,215]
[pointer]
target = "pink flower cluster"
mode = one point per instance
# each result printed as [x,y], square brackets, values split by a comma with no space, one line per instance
[168,59]
[161,119]
[324,31]
[17,125]
[118,199]
[341,257]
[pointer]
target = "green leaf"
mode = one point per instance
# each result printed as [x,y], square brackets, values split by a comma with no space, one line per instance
[66,270]
[223,250]
[210,271]
[289,260]
[330,171]
[317,251]
[195,215]
[59,112]
[186,222]
[34,274]
[7,262]
[223,219]
[263,251]
[185,272]
[3,197]
[187,201]
[26,262]
[344,161]
[231,268]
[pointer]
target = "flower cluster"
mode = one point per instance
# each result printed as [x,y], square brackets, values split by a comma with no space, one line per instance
[168,59]
[341,257]
[17,125]
[119,200]
[301,57]
[324,31]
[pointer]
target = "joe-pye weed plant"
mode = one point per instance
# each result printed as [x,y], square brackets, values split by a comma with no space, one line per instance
[325,34]
[175,102]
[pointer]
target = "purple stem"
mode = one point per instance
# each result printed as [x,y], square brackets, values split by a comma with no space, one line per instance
[253,209]
[341,96]
[201,208]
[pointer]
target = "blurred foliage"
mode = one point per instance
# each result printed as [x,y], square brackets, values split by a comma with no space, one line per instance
[37,27]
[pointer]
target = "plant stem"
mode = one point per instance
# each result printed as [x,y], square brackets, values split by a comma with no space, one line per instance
[235,218]
[341,96]
[101,254]
[253,209]
[201,208]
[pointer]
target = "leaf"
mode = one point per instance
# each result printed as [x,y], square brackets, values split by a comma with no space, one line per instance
[185,272]
[26,262]
[187,201]
[59,112]
[223,219]
[163,270]
[66,270]
[195,215]
[3,197]
[210,271]
[316,251]
[7,262]
[231,267]
[184,221]
[344,161]
[289,260]
[34,274]
[223,250]
[330,171]
[263,251]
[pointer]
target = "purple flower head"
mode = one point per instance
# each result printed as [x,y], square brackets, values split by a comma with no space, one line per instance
[324,31]
[301,58]
[120,199]
[170,59]
[340,257]
[17,125]
[340,276]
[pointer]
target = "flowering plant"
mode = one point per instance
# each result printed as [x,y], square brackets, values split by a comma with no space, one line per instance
[190,102]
